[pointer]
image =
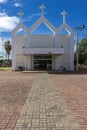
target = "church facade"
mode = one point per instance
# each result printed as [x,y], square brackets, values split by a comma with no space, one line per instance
[43,51]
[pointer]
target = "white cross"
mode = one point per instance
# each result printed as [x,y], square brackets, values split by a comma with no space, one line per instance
[64,13]
[42,7]
[20,15]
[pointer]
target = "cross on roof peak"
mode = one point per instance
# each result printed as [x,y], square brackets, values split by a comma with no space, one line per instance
[42,7]
[20,15]
[64,13]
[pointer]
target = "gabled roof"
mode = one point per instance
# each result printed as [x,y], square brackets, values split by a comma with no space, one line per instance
[66,27]
[42,19]
[19,26]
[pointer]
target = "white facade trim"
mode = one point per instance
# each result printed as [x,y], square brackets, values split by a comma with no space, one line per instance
[19,26]
[66,27]
[27,51]
[42,19]
[71,34]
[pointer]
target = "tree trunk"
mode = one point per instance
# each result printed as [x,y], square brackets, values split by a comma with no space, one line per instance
[8,57]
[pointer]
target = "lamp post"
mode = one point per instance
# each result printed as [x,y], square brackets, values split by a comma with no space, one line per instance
[80,28]
[2,54]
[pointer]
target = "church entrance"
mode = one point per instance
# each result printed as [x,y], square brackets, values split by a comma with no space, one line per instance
[42,62]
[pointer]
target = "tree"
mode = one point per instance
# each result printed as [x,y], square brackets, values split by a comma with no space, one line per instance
[7,45]
[82,50]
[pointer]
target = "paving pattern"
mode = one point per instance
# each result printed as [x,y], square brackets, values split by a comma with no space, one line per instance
[73,88]
[45,109]
[14,89]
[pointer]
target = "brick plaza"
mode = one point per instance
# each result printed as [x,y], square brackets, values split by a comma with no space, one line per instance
[42,101]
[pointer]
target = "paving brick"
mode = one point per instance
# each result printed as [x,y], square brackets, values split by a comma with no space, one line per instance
[14,89]
[73,89]
[42,101]
[53,113]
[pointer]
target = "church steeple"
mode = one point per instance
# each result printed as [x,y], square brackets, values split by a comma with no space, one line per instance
[64,13]
[20,15]
[42,7]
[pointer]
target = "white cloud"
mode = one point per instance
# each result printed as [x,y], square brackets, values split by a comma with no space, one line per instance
[17,4]
[30,18]
[3,1]
[7,23]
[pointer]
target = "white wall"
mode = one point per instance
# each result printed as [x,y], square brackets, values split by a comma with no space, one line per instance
[64,40]
[42,41]
[20,42]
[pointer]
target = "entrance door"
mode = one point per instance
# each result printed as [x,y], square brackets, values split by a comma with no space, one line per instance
[42,62]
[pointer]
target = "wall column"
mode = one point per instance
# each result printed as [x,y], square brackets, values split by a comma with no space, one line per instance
[60,63]
[72,52]
[25,62]
[28,65]
[53,62]
[56,62]
[32,62]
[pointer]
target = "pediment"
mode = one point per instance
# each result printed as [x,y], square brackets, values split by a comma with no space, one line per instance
[66,27]
[41,20]
[21,32]
[42,29]
[20,26]
[63,32]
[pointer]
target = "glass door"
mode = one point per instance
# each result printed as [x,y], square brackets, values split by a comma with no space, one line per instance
[42,62]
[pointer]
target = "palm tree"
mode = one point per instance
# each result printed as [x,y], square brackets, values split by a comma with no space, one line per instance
[7,45]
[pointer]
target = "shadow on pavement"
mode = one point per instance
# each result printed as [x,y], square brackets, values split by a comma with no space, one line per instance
[67,72]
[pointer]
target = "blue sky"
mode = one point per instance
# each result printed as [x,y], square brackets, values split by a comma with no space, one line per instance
[77,14]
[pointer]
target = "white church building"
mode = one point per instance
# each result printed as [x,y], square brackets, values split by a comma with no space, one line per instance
[43,51]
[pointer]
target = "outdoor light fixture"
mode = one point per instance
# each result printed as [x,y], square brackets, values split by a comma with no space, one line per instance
[2,54]
[79,28]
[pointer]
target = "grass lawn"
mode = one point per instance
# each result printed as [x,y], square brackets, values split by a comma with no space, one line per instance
[5,68]
[82,67]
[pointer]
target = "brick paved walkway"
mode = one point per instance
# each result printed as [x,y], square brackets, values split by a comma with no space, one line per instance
[45,109]
[73,89]
[14,89]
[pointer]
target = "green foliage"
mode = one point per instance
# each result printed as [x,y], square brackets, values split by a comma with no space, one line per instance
[7,45]
[83,44]
[82,67]
[82,50]
[5,63]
